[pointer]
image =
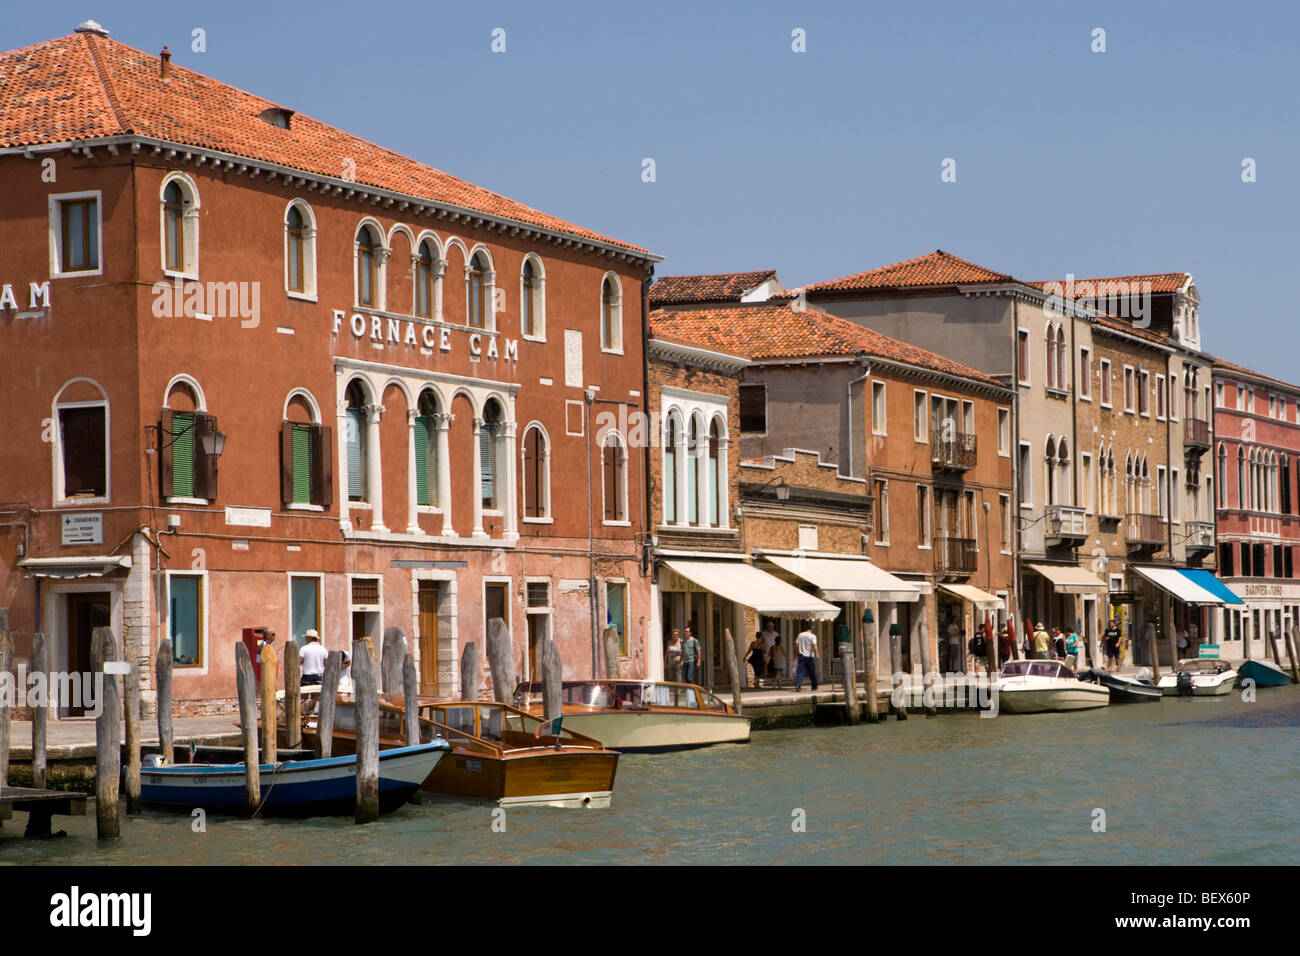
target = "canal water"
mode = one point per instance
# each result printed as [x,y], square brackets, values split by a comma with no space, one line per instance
[1184,781]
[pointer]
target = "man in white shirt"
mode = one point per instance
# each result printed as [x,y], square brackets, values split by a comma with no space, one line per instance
[313,655]
[806,645]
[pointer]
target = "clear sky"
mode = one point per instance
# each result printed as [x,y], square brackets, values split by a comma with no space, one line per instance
[825,162]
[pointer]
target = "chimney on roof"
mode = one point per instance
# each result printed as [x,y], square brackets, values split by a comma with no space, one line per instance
[165,62]
[91,26]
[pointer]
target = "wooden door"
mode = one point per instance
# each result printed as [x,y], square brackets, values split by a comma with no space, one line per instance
[429,594]
[85,613]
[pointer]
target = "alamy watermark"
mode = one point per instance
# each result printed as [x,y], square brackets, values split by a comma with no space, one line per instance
[209,300]
[1115,297]
[58,688]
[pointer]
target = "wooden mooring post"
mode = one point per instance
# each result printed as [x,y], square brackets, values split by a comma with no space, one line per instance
[500,662]
[108,736]
[131,700]
[733,669]
[1293,644]
[270,671]
[40,664]
[851,710]
[163,674]
[292,695]
[367,714]
[392,652]
[247,688]
[411,699]
[1272,646]
[899,706]
[927,674]
[329,694]
[468,671]
[552,680]
[869,671]
[610,645]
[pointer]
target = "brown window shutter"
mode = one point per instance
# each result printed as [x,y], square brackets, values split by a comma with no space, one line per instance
[531,471]
[286,462]
[611,500]
[322,460]
[205,466]
[165,454]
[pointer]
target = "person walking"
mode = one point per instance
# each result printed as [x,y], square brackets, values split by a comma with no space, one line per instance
[673,657]
[779,663]
[313,656]
[806,645]
[1073,649]
[1042,642]
[979,651]
[1058,644]
[1112,637]
[757,658]
[690,658]
[1006,643]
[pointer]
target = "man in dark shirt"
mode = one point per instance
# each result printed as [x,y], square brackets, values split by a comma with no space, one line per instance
[1112,637]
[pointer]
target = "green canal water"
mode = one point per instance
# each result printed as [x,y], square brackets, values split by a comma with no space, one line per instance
[1196,781]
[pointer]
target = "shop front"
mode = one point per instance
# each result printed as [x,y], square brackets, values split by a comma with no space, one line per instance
[961,608]
[1069,597]
[1175,613]
[713,596]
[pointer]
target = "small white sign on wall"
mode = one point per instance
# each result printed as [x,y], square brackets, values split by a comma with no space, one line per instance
[573,358]
[84,528]
[249,517]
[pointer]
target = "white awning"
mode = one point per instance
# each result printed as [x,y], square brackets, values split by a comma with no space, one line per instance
[846,579]
[1178,585]
[91,567]
[1068,579]
[968,592]
[747,585]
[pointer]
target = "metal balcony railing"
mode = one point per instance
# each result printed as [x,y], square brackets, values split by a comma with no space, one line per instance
[952,452]
[1196,432]
[1143,530]
[955,555]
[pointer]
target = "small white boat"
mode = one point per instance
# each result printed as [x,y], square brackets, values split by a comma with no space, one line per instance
[1031,687]
[1199,677]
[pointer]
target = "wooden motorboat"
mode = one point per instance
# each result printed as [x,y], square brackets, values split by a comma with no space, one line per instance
[643,716]
[496,753]
[1030,687]
[1199,677]
[1263,673]
[1123,689]
[293,787]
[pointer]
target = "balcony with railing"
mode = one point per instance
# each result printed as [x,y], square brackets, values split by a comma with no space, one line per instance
[1065,525]
[1200,536]
[955,556]
[1143,532]
[1196,433]
[952,451]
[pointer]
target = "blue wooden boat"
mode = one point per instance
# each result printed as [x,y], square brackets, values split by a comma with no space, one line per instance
[1263,673]
[292,787]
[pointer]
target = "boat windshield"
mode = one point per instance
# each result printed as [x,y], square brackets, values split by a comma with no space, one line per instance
[491,722]
[1015,668]
[673,695]
[1045,669]
[590,695]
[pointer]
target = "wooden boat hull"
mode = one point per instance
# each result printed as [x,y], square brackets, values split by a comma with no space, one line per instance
[653,731]
[1263,673]
[543,777]
[299,787]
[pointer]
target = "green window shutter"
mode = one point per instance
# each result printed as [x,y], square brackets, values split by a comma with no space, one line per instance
[302,464]
[422,493]
[183,455]
[356,424]
[487,466]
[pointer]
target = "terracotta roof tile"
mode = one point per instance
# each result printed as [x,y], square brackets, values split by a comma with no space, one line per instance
[763,332]
[85,86]
[939,268]
[1225,365]
[720,287]
[1160,281]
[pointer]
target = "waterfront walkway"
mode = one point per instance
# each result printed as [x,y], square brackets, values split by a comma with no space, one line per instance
[73,738]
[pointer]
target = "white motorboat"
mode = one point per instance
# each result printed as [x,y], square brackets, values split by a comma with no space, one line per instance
[1031,687]
[1199,677]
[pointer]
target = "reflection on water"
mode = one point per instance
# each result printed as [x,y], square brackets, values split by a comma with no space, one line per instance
[1205,780]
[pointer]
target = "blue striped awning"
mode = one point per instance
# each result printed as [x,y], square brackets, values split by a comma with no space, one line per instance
[1207,580]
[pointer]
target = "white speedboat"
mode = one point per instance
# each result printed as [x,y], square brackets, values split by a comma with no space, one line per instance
[1199,677]
[1031,687]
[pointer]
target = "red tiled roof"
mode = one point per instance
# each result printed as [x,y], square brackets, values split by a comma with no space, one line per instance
[763,332]
[939,268]
[1160,281]
[720,287]
[86,86]
[1225,365]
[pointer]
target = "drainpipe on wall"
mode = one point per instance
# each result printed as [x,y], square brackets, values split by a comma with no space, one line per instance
[1016,477]
[646,556]
[589,396]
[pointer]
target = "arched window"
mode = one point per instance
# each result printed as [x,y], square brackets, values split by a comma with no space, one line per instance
[368,276]
[1064,488]
[488,433]
[1052,363]
[1144,489]
[1062,381]
[714,477]
[427,491]
[1049,455]
[614,477]
[671,433]
[293,227]
[300,250]
[424,280]
[537,491]
[306,477]
[692,467]
[532,303]
[611,315]
[81,464]
[1243,493]
[1222,476]
[185,470]
[476,290]
[356,440]
[180,224]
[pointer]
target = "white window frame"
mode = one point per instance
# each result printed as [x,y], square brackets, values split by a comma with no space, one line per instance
[1026,477]
[56,232]
[616,316]
[59,500]
[1004,432]
[539,302]
[1005,517]
[1162,399]
[625,462]
[544,497]
[308,293]
[1143,393]
[190,206]
[379,290]
[925,531]
[1130,374]
[1107,389]
[1023,372]
[1089,481]
[626,585]
[881,510]
[921,422]
[878,388]
[1085,374]
[507,580]
[320,603]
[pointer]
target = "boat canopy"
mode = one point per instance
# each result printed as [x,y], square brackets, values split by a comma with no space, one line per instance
[981,599]
[847,579]
[1069,579]
[1211,583]
[1178,585]
[747,585]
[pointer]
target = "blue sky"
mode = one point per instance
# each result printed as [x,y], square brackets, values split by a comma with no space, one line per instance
[827,162]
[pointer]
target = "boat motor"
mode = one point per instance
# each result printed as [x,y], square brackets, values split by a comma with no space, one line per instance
[1185,686]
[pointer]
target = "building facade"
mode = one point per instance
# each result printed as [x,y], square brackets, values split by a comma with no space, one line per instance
[271,375]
